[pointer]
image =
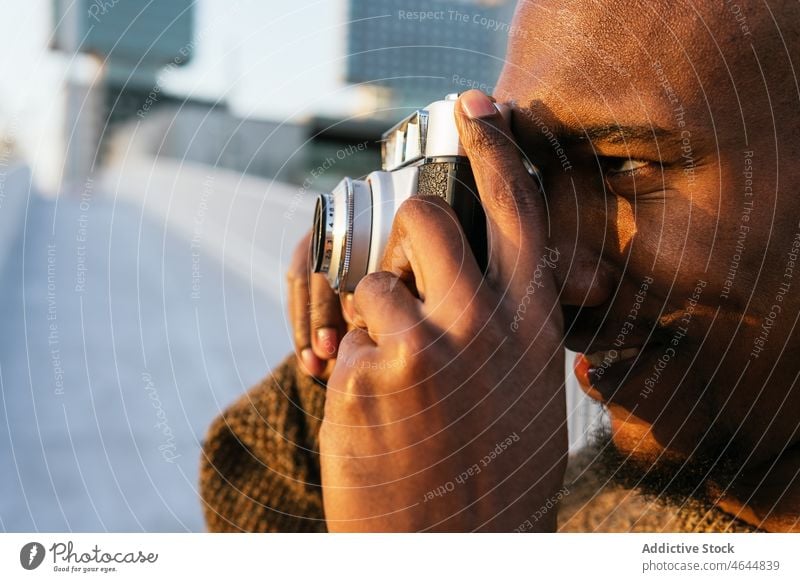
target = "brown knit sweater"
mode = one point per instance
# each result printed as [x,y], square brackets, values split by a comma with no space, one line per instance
[260,473]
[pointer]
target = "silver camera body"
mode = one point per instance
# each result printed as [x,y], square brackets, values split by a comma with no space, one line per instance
[421,155]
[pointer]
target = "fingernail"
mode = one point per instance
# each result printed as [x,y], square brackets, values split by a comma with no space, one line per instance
[312,364]
[328,341]
[477,105]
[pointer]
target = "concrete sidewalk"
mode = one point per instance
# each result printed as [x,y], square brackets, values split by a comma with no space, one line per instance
[133,312]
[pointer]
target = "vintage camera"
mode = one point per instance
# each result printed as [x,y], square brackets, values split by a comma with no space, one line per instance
[421,155]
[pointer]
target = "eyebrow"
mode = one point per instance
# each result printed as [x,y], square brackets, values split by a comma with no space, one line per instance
[619,134]
[610,133]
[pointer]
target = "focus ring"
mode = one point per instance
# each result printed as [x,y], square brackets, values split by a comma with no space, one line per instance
[347,242]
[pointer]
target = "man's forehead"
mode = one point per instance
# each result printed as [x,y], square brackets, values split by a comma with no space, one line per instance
[633,28]
[622,55]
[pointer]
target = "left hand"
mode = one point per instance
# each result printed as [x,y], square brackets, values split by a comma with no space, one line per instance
[446,408]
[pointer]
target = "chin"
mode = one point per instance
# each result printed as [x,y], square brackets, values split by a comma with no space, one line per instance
[632,436]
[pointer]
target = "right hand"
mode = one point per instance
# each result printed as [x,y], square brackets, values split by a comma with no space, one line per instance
[443,372]
[315,314]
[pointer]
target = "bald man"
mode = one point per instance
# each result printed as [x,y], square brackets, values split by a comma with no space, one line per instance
[667,136]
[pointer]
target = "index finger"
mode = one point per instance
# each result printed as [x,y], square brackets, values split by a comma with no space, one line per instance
[428,250]
[515,210]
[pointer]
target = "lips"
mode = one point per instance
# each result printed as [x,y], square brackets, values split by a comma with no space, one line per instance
[609,357]
[601,372]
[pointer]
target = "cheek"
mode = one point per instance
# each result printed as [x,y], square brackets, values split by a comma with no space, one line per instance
[625,227]
[665,234]
[671,238]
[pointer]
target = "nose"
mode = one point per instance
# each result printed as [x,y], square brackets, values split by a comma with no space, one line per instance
[585,280]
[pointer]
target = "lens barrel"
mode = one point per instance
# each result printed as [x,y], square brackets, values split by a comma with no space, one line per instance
[340,242]
[322,234]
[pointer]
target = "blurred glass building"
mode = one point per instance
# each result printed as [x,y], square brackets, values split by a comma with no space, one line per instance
[411,53]
[389,57]
[125,46]
[137,37]
[421,50]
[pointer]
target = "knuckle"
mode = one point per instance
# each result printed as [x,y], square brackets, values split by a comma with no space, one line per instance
[315,319]
[295,276]
[483,137]
[319,305]
[421,209]
[495,156]
[346,401]
[374,285]
[474,319]
[413,342]
[347,375]
[348,347]
[321,314]
[301,340]
[513,194]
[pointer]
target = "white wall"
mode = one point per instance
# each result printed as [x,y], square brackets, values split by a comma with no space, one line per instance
[31,113]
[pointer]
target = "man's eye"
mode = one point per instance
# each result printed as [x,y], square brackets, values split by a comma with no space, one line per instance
[616,166]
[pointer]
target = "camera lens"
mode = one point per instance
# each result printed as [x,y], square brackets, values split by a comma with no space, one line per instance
[340,242]
[321,235]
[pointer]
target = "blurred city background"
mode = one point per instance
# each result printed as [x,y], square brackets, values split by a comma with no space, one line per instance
[158,163]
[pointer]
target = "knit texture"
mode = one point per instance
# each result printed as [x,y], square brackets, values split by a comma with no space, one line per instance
[590,504]
[260,473]
[260,464]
